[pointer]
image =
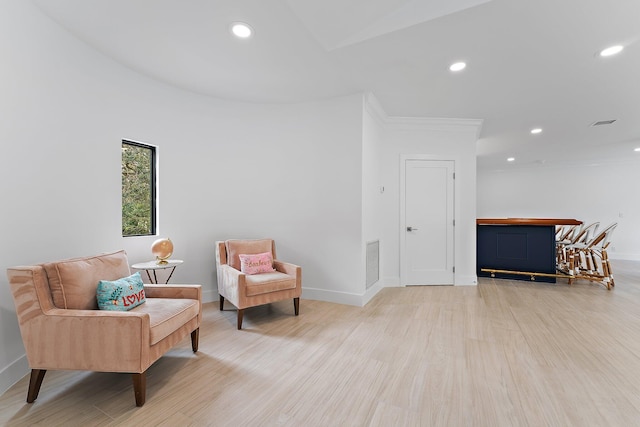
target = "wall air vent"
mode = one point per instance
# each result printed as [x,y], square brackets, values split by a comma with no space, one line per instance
[373,263]
[603,122]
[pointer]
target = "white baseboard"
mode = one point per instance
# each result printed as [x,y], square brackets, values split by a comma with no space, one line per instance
[332,296]
[624,257]
[392,282]
[362,300]
[372,292]
[466,280]
[349,298]
[14,373]
[210,296]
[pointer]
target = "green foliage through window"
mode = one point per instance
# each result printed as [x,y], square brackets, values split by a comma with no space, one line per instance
[138,189]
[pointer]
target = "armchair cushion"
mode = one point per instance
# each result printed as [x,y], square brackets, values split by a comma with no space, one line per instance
[167,315]
[256,264]
[269,282]
[73,282]
[122,294]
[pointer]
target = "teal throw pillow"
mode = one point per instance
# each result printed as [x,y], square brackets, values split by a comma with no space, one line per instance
[122,294]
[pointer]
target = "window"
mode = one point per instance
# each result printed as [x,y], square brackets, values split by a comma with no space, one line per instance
[138,189]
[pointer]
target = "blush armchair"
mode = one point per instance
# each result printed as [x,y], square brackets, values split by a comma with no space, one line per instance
[62,327]
[250,290]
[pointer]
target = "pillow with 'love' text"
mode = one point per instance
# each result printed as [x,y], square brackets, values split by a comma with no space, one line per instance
[122,294]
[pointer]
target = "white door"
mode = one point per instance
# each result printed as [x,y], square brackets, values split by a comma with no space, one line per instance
[427,222]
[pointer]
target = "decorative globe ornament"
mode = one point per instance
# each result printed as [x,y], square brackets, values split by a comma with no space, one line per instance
[162,249]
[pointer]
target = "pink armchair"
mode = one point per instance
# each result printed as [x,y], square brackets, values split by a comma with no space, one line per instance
[244,290]
[62,327]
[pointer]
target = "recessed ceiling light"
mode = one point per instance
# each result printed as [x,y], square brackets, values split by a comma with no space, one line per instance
[637,149]
[536,130]
[612,50]
[511,159]
[241,30]
[458,66]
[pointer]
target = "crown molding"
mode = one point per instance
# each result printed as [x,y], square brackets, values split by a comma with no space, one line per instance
[375,109]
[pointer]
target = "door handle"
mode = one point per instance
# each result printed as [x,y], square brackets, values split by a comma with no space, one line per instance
[411,229]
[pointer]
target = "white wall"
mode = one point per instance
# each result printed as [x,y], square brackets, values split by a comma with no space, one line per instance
[308,175]
[291,172]
[606,193]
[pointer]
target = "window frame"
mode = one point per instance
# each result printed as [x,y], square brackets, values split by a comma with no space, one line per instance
[154,188]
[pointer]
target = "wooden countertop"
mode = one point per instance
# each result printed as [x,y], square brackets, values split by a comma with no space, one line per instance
[527,221]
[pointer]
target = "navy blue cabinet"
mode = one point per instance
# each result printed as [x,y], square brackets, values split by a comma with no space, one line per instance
[523,248]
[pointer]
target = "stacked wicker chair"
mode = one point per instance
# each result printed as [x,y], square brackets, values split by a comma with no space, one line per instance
[564,237]
[574,235]
[587,258]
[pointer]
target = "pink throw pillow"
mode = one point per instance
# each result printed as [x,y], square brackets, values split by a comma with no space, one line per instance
[256,263]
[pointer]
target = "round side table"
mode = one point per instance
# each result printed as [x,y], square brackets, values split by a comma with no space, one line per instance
[154,266]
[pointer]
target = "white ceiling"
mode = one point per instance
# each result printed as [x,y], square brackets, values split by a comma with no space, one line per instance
[530,63]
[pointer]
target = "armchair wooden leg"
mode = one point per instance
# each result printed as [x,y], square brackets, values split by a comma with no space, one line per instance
[140,387]
[296,306]
[240,316]
[35,381]
[221,302]
[195,336]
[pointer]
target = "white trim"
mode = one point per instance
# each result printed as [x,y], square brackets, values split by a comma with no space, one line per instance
[564,164]
[435,124]
[332,296]
[343,297]
[373,106]
[13,373]
[465,280]
[623,256]
[372,292]
[375,110]
[392,282]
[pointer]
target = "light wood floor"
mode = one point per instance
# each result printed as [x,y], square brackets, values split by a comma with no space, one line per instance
[504,353]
